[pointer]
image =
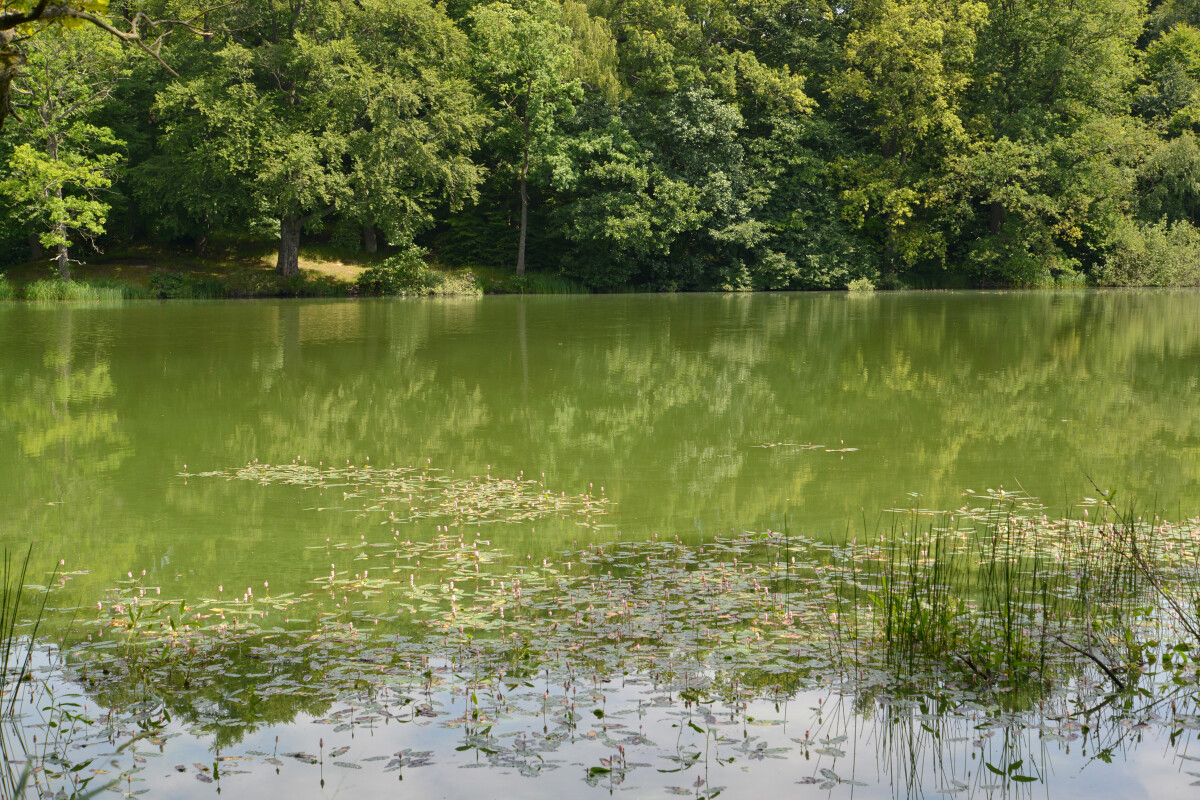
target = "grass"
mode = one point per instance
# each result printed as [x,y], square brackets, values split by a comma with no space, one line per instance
[7,290]
[56,290]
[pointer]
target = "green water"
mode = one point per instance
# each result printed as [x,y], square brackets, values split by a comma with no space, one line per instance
[664,401]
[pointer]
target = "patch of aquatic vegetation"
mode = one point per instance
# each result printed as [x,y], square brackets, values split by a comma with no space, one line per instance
[1016,603]
[657,658]
[409,493]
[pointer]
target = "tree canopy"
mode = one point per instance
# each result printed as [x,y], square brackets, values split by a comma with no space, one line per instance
[665,144]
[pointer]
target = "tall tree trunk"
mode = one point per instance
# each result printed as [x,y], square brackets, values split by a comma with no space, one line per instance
[60,233]
[370,240]
[289,246]
[36,251]
[60,228]
[524,206]
[996,218]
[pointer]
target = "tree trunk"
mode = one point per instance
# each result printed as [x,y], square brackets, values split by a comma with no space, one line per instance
[289,247]
[524,225]
[60,228]
[36,251]
[64,262]
[11,60]
[370,240]
[524,207]
[62,257]
[996,219]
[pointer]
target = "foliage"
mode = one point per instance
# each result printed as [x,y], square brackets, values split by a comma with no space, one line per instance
[319,108]
[523,60]
[404,273]
[649,143]
[61,161]
[1152,254]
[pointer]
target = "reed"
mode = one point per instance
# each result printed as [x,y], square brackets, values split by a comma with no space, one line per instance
[16,644]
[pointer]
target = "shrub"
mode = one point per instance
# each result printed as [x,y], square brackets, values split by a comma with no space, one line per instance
[404,273]
[7,292]
[1155,254]
[860,285]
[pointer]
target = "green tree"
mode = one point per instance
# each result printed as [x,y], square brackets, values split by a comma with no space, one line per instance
[1169,182]
[1053,151]
[908,68]
[25,20]
[523,57]
[1170,94]
[61,161]
[320,107]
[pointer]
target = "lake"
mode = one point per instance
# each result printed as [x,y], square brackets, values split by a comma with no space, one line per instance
[545,426]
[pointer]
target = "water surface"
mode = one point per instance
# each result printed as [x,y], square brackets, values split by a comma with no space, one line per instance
[695,413]
[680,417]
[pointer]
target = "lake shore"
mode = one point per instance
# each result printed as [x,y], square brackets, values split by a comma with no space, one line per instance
[247,271]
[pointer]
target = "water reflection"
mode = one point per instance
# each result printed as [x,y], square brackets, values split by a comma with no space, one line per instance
[439,732]
[667,402]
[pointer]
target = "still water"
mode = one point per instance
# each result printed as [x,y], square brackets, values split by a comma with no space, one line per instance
[685,416]
[693,413]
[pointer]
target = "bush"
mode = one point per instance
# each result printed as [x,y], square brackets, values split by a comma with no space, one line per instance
[7,292]
[860,285]
[405,273]
[1155,254]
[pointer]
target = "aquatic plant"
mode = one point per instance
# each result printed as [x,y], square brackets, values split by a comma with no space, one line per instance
[409,493]
[993,617]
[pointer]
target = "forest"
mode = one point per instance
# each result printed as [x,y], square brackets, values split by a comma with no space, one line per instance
[664,145]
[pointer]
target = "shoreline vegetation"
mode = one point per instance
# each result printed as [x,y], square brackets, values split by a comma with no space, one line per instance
[160,273]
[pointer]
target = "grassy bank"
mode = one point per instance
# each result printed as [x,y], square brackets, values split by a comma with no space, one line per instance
[246,270]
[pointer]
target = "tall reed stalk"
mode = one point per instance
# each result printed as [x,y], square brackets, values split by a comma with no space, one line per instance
[16,651]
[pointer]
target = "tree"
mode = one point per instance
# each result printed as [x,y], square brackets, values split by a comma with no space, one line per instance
[62,160]
[523,58]
[23,20]
[1053,152]
[908,68]
[320,107]
[1170,95]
